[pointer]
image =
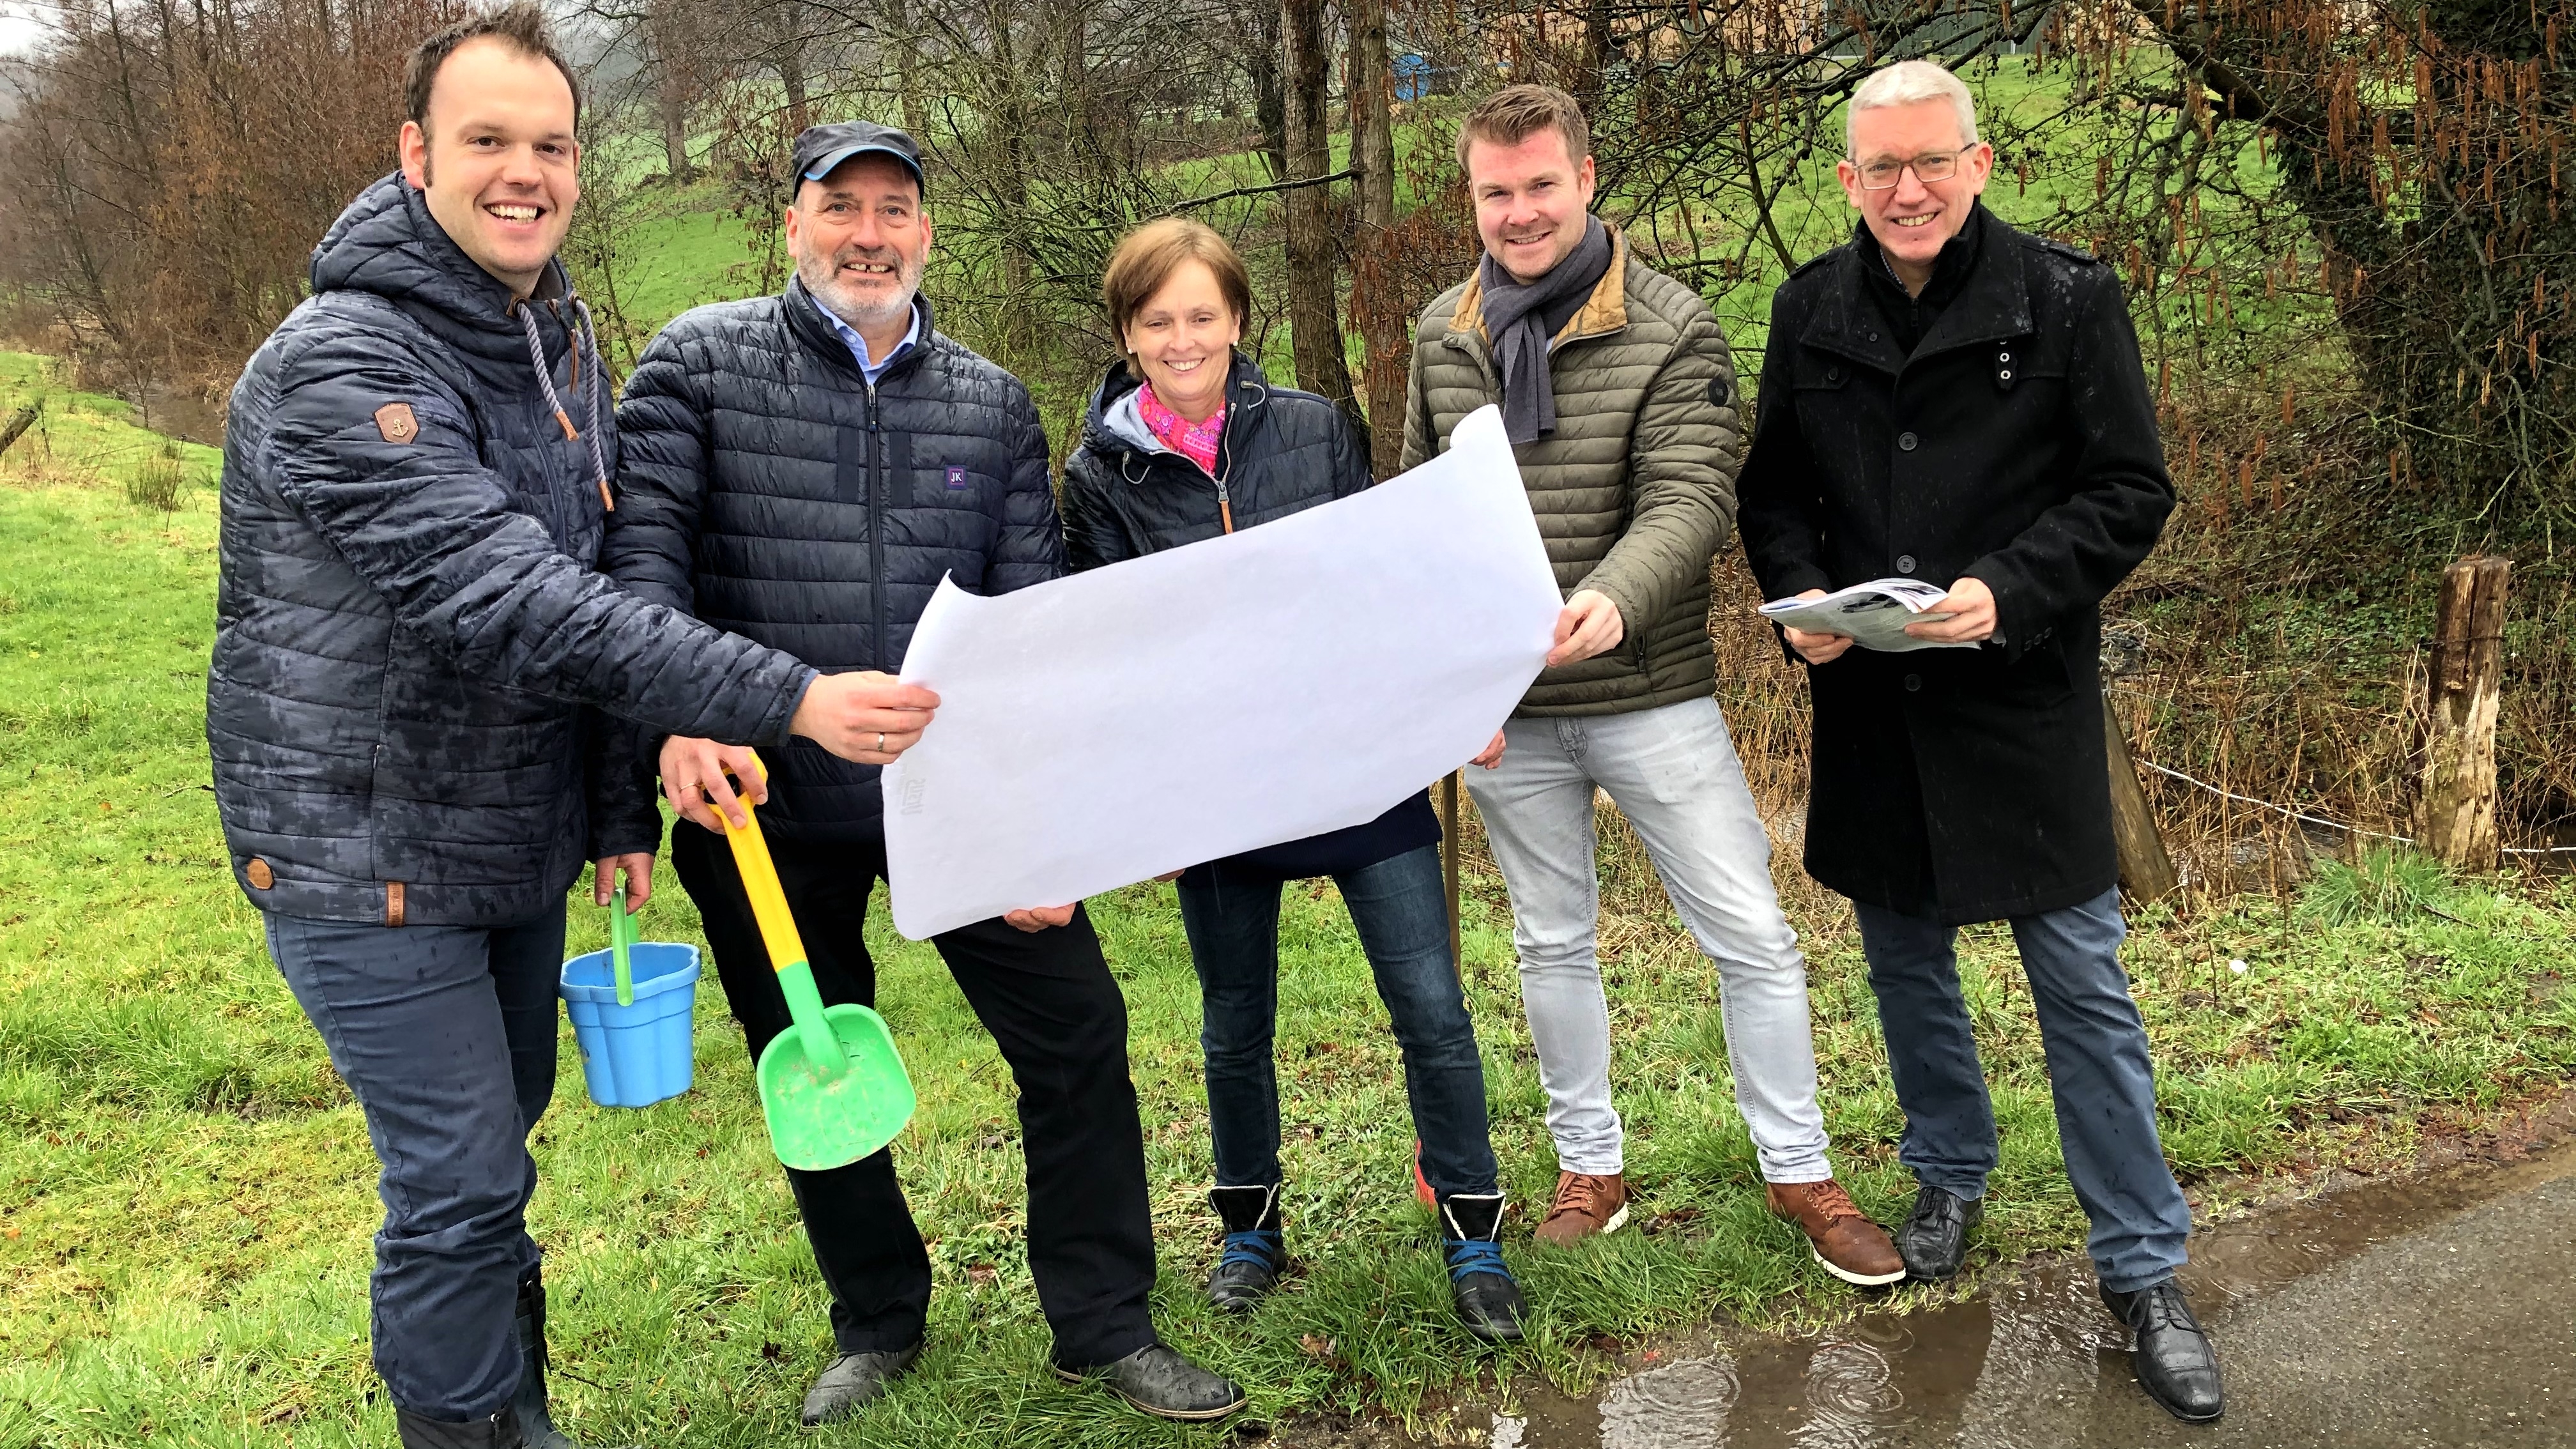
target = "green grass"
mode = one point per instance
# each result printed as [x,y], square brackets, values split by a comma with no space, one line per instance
[186,1190]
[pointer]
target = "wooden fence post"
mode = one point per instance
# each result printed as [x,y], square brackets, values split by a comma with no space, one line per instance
[1449,865]
[19,421]
[2455,813]
[2146,869]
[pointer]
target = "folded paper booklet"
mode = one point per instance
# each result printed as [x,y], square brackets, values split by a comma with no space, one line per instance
[1874,614]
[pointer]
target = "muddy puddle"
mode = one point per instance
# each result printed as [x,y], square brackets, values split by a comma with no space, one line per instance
[2392,1313]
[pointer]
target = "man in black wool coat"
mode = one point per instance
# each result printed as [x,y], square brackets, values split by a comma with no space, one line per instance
[1949,399]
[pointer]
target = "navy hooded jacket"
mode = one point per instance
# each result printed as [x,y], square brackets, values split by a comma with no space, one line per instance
[409,627]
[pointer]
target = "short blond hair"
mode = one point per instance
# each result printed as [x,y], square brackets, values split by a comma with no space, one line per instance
[1911,83]
[1146,258]
[1515,113]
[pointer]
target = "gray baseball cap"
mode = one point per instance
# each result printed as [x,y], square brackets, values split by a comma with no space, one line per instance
[821,148]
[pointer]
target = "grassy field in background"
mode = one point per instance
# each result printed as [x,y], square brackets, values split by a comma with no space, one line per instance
[186,1189]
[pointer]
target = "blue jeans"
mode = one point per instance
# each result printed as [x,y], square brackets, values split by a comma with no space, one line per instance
[1401,911]
[446,1036]
[2100,1080]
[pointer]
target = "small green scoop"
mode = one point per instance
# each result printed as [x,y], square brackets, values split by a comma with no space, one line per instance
[832,1086]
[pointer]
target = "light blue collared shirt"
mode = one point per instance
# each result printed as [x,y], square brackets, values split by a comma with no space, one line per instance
[859,345]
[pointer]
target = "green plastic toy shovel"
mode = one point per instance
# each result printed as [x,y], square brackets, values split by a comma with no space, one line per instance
[832,1087]
[621,937]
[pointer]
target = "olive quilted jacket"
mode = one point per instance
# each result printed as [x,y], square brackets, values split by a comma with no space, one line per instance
[1634,491]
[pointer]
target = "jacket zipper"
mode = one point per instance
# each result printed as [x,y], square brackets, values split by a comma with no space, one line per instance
[876,533]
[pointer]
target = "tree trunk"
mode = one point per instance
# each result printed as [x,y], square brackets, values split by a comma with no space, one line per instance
[791,64]
[1269,99]
[907,68]
[2455,815]
[1314,325]
[672,87]
[1377,302]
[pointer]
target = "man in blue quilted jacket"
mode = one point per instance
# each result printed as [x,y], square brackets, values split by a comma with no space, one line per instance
[803,469]
[412,651]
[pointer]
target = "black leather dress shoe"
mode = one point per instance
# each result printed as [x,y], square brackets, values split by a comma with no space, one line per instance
[1934,1239]
[854,1379]
[1165,1385]
[2176,1364]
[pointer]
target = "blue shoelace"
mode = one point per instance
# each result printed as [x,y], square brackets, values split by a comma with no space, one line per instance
[1263,1248]
[1474,1255]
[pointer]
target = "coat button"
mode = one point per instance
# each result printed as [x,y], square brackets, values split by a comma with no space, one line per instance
[1905,563]
[1833,374]
[1913,682]
[2003,375]
[2003,357]
[1873,337]
[1905,441]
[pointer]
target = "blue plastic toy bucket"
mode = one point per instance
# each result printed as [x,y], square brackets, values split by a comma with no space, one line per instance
[634,1056]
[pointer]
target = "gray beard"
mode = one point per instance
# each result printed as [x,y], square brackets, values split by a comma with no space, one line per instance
[828,292]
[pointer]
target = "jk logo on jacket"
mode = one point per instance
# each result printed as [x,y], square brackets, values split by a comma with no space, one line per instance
[956,477]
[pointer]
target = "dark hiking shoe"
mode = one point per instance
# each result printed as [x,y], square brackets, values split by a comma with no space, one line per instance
[854,1379]
[1934,1240]
[419,1431]
[2176,1364]
[1256,1251]
[1164,1384]
[1487,1297]
[536,1425]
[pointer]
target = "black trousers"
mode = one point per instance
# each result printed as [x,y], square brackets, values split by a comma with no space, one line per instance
[1053,1008]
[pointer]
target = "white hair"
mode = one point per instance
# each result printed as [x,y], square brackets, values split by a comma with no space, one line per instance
[1910,83]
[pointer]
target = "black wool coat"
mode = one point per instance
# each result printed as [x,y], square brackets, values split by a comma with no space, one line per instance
[2016,445]
[770,489]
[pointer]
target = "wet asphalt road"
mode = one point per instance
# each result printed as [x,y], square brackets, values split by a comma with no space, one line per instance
[2421,1315]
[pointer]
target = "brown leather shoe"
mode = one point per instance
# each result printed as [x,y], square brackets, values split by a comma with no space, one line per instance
[1585,1205]
[1844,1240]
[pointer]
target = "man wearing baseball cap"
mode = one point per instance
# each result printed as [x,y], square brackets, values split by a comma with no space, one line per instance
[805,468]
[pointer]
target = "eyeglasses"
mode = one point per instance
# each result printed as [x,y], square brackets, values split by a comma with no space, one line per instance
[1881,172]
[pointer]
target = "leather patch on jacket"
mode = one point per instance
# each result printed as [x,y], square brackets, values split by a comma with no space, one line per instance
[396,422]
[393,903]
[261,877]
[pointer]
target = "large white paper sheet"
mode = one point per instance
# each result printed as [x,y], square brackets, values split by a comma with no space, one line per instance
[1260,687]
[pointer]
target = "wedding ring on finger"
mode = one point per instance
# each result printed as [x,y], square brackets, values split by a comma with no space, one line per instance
[881,742]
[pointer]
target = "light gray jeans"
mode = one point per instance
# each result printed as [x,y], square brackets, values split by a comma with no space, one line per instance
[1672,771]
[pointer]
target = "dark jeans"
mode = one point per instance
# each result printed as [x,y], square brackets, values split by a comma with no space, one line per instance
[1049,1001]
[1402,914]
[2100,1079]
[446,1036]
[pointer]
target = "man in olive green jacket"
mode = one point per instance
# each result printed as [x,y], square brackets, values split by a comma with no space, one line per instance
[1618,395]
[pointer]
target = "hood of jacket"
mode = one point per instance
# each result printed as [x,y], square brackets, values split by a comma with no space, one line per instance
[386,243]
[1115,425]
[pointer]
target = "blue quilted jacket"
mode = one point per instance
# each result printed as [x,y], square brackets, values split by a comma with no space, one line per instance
[769,489]
[411,645]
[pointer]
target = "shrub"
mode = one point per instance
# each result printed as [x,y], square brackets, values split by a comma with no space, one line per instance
[2388,885]
[161,483]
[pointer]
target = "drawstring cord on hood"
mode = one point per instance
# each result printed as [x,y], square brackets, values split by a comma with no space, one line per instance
[582,331]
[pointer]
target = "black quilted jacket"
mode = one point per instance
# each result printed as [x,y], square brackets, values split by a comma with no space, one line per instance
[769,490]
[408,626]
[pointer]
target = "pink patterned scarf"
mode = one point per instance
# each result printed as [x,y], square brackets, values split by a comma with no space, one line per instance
[1195,441]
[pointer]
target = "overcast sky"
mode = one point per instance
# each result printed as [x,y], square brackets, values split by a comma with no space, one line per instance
[17,31]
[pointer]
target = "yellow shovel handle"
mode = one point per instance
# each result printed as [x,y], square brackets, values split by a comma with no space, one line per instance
[760,882]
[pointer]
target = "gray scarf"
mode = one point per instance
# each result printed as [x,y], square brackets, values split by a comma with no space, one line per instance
[1520,317]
